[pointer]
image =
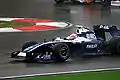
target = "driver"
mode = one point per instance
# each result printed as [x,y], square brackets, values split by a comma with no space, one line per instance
[72,36]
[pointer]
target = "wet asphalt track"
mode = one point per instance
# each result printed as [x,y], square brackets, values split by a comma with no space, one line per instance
[46,9]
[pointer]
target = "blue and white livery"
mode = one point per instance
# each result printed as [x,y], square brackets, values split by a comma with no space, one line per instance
[82,42]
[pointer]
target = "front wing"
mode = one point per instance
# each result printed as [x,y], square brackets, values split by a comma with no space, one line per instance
[18,54]
[31,56]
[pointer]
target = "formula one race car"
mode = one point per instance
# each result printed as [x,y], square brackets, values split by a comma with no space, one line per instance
[82,42]
[77,1]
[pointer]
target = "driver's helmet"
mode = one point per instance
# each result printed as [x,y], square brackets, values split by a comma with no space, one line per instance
[72,36]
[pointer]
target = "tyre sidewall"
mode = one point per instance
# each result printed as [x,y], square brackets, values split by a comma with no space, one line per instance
[28,44]
[114,45]
[59,57]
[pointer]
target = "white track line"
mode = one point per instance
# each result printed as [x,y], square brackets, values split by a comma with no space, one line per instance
[55,73]
[9,30]
[9,19]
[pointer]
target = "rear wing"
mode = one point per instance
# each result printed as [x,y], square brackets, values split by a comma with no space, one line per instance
[101,29]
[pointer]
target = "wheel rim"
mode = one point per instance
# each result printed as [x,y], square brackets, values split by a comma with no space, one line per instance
[64,52]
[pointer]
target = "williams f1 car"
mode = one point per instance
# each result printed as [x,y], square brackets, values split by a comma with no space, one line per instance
[77,1]
[82,42]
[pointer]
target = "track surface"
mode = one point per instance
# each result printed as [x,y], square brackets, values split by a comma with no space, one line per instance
[78,14]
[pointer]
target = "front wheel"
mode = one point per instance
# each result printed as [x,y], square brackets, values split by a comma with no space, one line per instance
[28,44]
[61,52]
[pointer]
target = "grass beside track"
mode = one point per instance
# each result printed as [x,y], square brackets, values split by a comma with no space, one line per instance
[8,24]
[102,75]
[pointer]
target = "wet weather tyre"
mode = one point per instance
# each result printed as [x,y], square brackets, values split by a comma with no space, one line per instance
[61,52]
[28,44]
[114,45]
[59,1]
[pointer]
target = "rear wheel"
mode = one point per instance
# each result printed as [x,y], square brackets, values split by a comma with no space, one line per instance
[114,45]
[61,52]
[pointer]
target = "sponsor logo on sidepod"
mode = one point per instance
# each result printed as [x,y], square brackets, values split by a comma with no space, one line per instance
[91,46]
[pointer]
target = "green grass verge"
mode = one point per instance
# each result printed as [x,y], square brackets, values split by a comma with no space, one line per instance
[103,75]
[7,24]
